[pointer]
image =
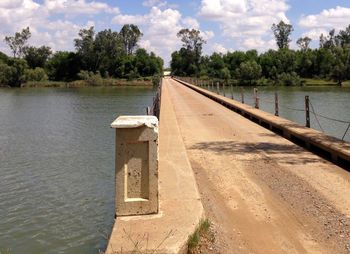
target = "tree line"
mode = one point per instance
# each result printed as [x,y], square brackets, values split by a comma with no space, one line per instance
[106,54]
[331,60]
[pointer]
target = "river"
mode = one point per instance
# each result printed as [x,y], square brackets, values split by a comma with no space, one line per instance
[57,166]
[331,102]
[57,158]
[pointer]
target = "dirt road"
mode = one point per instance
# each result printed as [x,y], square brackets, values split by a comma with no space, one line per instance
[263,193]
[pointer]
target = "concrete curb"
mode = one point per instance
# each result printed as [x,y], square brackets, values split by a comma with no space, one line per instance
[180,208]
[329,147]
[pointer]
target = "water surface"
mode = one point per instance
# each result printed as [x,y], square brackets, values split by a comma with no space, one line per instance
[57,166]
[57,158]
[332,102]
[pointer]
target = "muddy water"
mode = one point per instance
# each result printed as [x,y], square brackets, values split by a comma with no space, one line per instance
[57,166]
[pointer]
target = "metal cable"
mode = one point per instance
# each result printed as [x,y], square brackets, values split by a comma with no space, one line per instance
[313,111]
[346,132]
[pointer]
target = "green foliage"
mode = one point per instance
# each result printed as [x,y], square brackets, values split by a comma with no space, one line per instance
[3,57]
[93,79]
[18,42]
[130,35]
[37,74]
[289,79]
[304,43]
[12,73]
[63,66]
[282,32]
[188,59]
[6,74]
[248,72]
[202,229]
[156,80]
[37,57]
[341,69]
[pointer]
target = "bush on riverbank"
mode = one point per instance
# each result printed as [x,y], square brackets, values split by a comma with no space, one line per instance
[110,82]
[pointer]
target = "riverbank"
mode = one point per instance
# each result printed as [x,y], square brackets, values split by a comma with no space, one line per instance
[147,81]
[322,82]
[266,82]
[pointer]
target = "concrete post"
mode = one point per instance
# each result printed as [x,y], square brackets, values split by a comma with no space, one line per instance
[136,166]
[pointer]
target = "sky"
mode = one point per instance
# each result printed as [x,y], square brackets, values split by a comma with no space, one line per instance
[226,25]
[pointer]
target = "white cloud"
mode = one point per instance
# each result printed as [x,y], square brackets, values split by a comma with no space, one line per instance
[219,48]
[10,3]
[152,3]
[129,19]
[160,29]
[335,18]
[207,35]
[159,4]
[190,23]
[56,33]
[76,7]
[247,21]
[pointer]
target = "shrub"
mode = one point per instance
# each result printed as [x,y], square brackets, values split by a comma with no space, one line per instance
[289,79]
[37,74]
[156,80]
[91,78]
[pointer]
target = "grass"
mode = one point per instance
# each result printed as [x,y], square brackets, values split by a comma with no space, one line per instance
[323,82]
[201,230]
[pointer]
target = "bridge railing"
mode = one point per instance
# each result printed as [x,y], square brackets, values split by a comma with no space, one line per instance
[222,88]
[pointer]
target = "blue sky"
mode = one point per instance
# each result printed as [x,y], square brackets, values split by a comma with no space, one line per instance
[225,24]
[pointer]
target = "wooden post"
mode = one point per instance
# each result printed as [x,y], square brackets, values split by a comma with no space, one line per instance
[256,98]
[242,95]
[307,111]
[276,104]
[212,85]
[223,88]
[217,88]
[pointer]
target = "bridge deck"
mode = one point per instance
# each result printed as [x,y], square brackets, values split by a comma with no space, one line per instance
[263,193]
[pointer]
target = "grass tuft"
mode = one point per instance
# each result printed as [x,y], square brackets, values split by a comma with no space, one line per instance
[202,229]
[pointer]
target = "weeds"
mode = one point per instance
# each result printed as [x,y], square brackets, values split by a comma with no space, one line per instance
[194,239]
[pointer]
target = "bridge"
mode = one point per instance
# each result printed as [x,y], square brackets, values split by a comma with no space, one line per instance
[256,177]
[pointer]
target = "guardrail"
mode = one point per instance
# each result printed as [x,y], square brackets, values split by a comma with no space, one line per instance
[328,147]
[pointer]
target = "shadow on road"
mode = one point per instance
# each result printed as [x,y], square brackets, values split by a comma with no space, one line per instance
[286,153]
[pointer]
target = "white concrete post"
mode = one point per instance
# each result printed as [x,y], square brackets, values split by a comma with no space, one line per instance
[136,166]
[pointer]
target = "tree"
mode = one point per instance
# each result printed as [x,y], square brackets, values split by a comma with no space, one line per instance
[341,66]
[130,35]
[85,48]
[192,43]
[215,65]
[304,43]
[64,66]
[12,73]
[248,72]
[282,32]
[3,57]
[37,57]
[108,47]
[328,41]
[18,42]
[343,38]
[37,74]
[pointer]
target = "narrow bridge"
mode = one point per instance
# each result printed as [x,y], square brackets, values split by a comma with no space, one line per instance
[262,192]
